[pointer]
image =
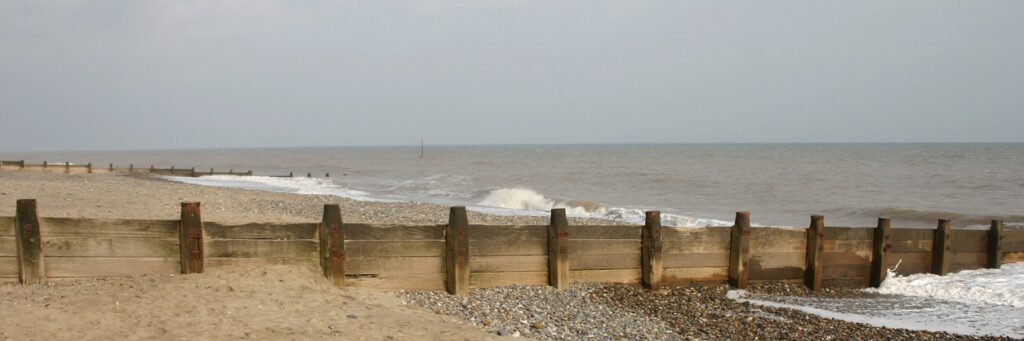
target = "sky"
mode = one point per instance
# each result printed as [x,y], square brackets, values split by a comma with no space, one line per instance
[100,75]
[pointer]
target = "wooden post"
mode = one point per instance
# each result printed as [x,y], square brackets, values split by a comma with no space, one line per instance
[193,173]
[650,251]
[89,167]
[153,168]
[67,167]
[880,247]
[291,174]
[457,252]
[191,238]
[941,255]
[739,250]
[22,165]
[231,171]
[29,243]
[309,175]
[44,164]
[995,244]
[250,172]
[332,245]
[131,168]
[327,175]
[558,250]
[111,169]
[211,171]
[815,245]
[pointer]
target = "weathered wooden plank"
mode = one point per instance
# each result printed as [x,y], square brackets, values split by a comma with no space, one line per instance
[881,245]
[396,248]
[222,262]
[899,234]
[456,256]
[29,243]
[846,271]
[969,240]
[704,235]
[501,279]
[696,260]
[598,262]
[9,267]
[77,227]
[256,248]
[398,281]
[844,258]
[815,245]
[910,263]
[1012,246]
[942,248]
[190,238]
[696,275]
[58,267]
[651,251]
[696,246]
[859,246]
[605,231]
[6,226]
[606,276]
[110,247]
[558,249]
[968,261]
[779,259]
[739,251]
[261,231]
[393,232]
[848,283]
[504,248]
[331,245]
[849,233]
[509,264]
[602,247]
[507,233]
[778,240]
[772,274]
[8,247]
[994,247]
[393,265]
[1013,257]
[911,246]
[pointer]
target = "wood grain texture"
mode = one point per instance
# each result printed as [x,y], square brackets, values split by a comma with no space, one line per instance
[504,248]
[694,246]
[605,231]
[900,234]
[705,235]
[31,262]
[602,247]
[508,233]
[605,276]
[394,265]
[739,251]
[509,264]
[255,248]
[651,251]
[598,262]
[9,267]
[911,245]
[393,232]
[116,228]
[6,226]
[227,262]
[456,256]
[433,281]
[696,275]
[858,246]
[968,261]
[111,247]
[847,271]
[8,247]
[558,249]
[1013,257]
[395,248]
[696,260]
[502,279]
[63,267]
[778,240]
[969,240]
[849,233]
[261,231]
[848,283]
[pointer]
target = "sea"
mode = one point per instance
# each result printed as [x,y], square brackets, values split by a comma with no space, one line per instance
[693,185]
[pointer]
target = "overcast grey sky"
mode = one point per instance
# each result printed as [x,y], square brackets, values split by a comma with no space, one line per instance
[194,74]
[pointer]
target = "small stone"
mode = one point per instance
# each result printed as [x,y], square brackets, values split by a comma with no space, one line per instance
[538,325]
[352,316]
[501,332]
[485,322]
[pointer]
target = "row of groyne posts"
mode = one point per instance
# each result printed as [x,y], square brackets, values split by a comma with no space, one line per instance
[69,168]
[332,250]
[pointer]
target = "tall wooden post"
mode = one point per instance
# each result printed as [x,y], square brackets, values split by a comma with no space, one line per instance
[67,167]
[88,168]
[739,251]
[193,173]
[29,243]
[457,252]
[44,165]
[111,168]
[191,238]
[22,165]
[941,255]
[131,168]
[995,244]
[211,171]
[815,245]
[558,249]
[650,251]
[879,248]
[332,245]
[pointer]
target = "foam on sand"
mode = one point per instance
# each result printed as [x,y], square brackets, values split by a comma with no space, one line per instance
[1003,286]
[299,185]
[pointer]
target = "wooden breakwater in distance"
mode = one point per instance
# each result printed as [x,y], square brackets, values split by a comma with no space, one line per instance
[89,168]
[460,256]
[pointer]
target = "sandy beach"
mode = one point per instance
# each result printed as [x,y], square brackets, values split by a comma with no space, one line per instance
[282,302]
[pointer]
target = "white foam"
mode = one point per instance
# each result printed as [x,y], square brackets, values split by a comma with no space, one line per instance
[517,201]
[1003,286]
[311,186]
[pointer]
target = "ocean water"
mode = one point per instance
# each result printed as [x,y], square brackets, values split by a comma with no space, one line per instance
[692,184]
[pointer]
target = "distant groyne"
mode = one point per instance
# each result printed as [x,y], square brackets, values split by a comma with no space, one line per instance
[89,168]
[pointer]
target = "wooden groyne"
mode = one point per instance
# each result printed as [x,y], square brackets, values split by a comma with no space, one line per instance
[460,256]
[89,168]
